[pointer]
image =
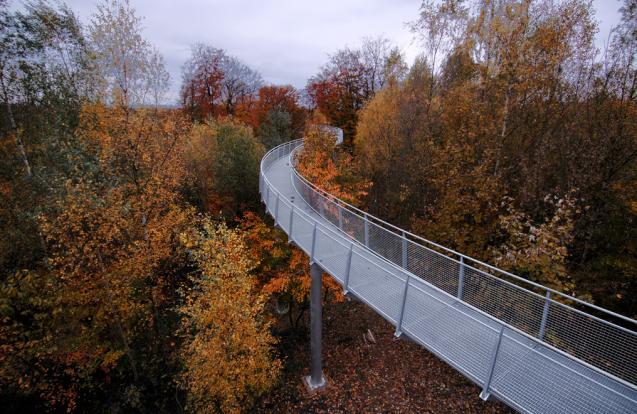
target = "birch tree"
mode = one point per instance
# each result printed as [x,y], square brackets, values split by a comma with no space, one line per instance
[132,72]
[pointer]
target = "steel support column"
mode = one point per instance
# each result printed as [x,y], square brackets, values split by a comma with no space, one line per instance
[316,380]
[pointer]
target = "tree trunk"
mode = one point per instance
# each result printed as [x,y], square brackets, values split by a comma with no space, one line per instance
[503,131]
[14,128]
[118,322]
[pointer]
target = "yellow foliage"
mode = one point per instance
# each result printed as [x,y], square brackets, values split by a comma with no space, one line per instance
[227,354]
[538,252]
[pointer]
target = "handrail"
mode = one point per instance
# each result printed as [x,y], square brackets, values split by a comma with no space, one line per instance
[530,292]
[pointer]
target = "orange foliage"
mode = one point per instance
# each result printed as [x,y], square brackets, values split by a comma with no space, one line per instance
[324,165]
[282,269]
[108,243]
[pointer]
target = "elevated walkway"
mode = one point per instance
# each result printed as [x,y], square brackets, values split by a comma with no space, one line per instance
[535,349]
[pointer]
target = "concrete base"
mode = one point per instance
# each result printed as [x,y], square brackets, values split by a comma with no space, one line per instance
[314,388]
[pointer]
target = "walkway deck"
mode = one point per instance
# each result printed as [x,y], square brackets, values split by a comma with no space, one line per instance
[525,373]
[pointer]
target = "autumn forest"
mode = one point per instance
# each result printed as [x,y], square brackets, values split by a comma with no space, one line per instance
[139,271]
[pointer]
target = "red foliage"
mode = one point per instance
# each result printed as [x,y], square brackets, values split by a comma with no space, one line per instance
[282,98]
[203,89]
[340,96]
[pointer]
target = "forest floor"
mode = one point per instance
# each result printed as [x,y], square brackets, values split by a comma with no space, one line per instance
[385,376]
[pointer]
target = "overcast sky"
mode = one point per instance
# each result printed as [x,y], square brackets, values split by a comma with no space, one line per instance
[285,40]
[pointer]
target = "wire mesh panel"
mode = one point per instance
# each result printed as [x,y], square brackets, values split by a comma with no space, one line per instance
[284,210]
[594,341]
[505,301]
[302,230]
[269,197]
[555,389]
[433,267]
[376,285]
[464,341]
[385,243]
[353,225]
[329,210]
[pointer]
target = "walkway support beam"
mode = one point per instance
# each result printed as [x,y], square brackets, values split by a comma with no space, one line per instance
[348,269]
[316,380]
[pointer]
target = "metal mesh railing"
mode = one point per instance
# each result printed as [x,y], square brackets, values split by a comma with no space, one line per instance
[532,308]
[487,323]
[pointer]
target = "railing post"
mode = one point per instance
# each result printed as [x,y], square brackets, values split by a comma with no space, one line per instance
[316,380]
[404,248]
[267,199]
[313,244]
[366,230]
[487,383]
[322,204]
[399,325]
[461,278]
[348,268]
[276,210]
[290,237]
[545,315]
[340,216]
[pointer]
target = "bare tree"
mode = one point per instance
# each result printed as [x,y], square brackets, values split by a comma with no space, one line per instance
[215,82]
[374,54]
[129,67]
[158,78]
[239,83]
[439,28]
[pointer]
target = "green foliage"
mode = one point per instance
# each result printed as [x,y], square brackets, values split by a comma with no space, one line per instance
[276,129]
[90,254]
[237,166]
[224,157]
[30,362]
[507,140]
[45,76]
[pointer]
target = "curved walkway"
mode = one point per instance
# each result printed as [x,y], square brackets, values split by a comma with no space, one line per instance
[525,345]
